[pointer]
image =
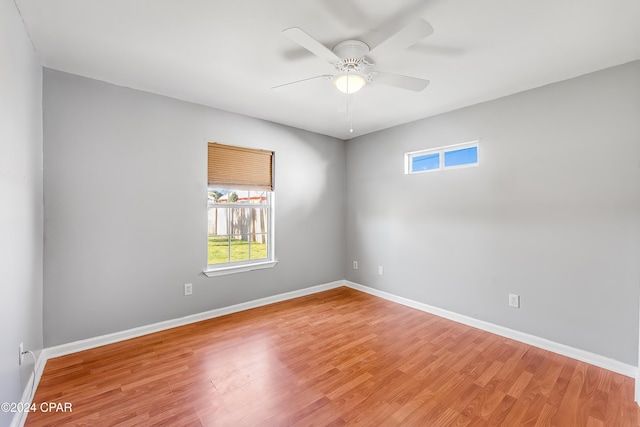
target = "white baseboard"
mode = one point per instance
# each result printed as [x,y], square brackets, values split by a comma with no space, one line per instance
[86,344]
[19,418]
[565,350]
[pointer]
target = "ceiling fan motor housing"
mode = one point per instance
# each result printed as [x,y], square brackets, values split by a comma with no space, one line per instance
[352,53]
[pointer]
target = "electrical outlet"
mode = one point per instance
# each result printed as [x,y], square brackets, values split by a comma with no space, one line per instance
[21,350]
[514,300]
[188,289]
[380,270]
[355,265]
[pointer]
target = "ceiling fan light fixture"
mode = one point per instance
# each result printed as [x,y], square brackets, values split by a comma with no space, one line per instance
[349,83]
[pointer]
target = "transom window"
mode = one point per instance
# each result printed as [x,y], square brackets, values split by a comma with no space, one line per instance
[449,157]
[239,209]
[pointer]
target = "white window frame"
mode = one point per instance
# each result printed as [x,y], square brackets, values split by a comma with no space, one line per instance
[441,151]
[213,270]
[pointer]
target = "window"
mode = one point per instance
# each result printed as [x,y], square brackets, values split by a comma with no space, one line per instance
[240,209]
[451,156]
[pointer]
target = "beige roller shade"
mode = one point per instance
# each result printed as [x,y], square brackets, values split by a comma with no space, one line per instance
[237,167]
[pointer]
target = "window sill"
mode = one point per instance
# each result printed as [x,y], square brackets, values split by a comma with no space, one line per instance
[214,272]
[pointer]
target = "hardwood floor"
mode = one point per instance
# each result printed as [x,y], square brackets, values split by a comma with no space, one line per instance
[335,358]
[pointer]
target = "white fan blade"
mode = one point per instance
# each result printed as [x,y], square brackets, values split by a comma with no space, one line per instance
[409,35]
[404,82]
[327,76]
[312,45]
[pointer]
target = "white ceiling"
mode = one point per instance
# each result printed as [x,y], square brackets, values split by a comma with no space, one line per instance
[228,54]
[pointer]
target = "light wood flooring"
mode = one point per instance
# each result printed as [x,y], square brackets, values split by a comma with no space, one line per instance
[334,358]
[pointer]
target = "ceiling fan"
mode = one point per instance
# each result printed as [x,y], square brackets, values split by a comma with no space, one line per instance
[353,59]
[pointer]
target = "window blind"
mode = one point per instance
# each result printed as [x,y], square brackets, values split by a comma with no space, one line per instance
[238,167]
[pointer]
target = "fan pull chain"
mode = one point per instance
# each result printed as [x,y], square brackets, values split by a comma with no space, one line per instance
[349,110]
[349,115]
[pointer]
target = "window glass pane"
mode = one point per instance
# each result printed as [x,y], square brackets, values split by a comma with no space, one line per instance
[240,224]
[464,156]
[239,248]
[215,195]
[244,196]
[258,197]
[217,221]
[218,249]
[217,227]
[234,196]
[425,162]
[259,220]
[258,246]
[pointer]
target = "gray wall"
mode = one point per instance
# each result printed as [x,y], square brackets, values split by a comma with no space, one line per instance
[552,213]
[21,204]
[125,208]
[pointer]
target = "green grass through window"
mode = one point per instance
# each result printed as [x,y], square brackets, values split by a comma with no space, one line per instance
[219,250]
